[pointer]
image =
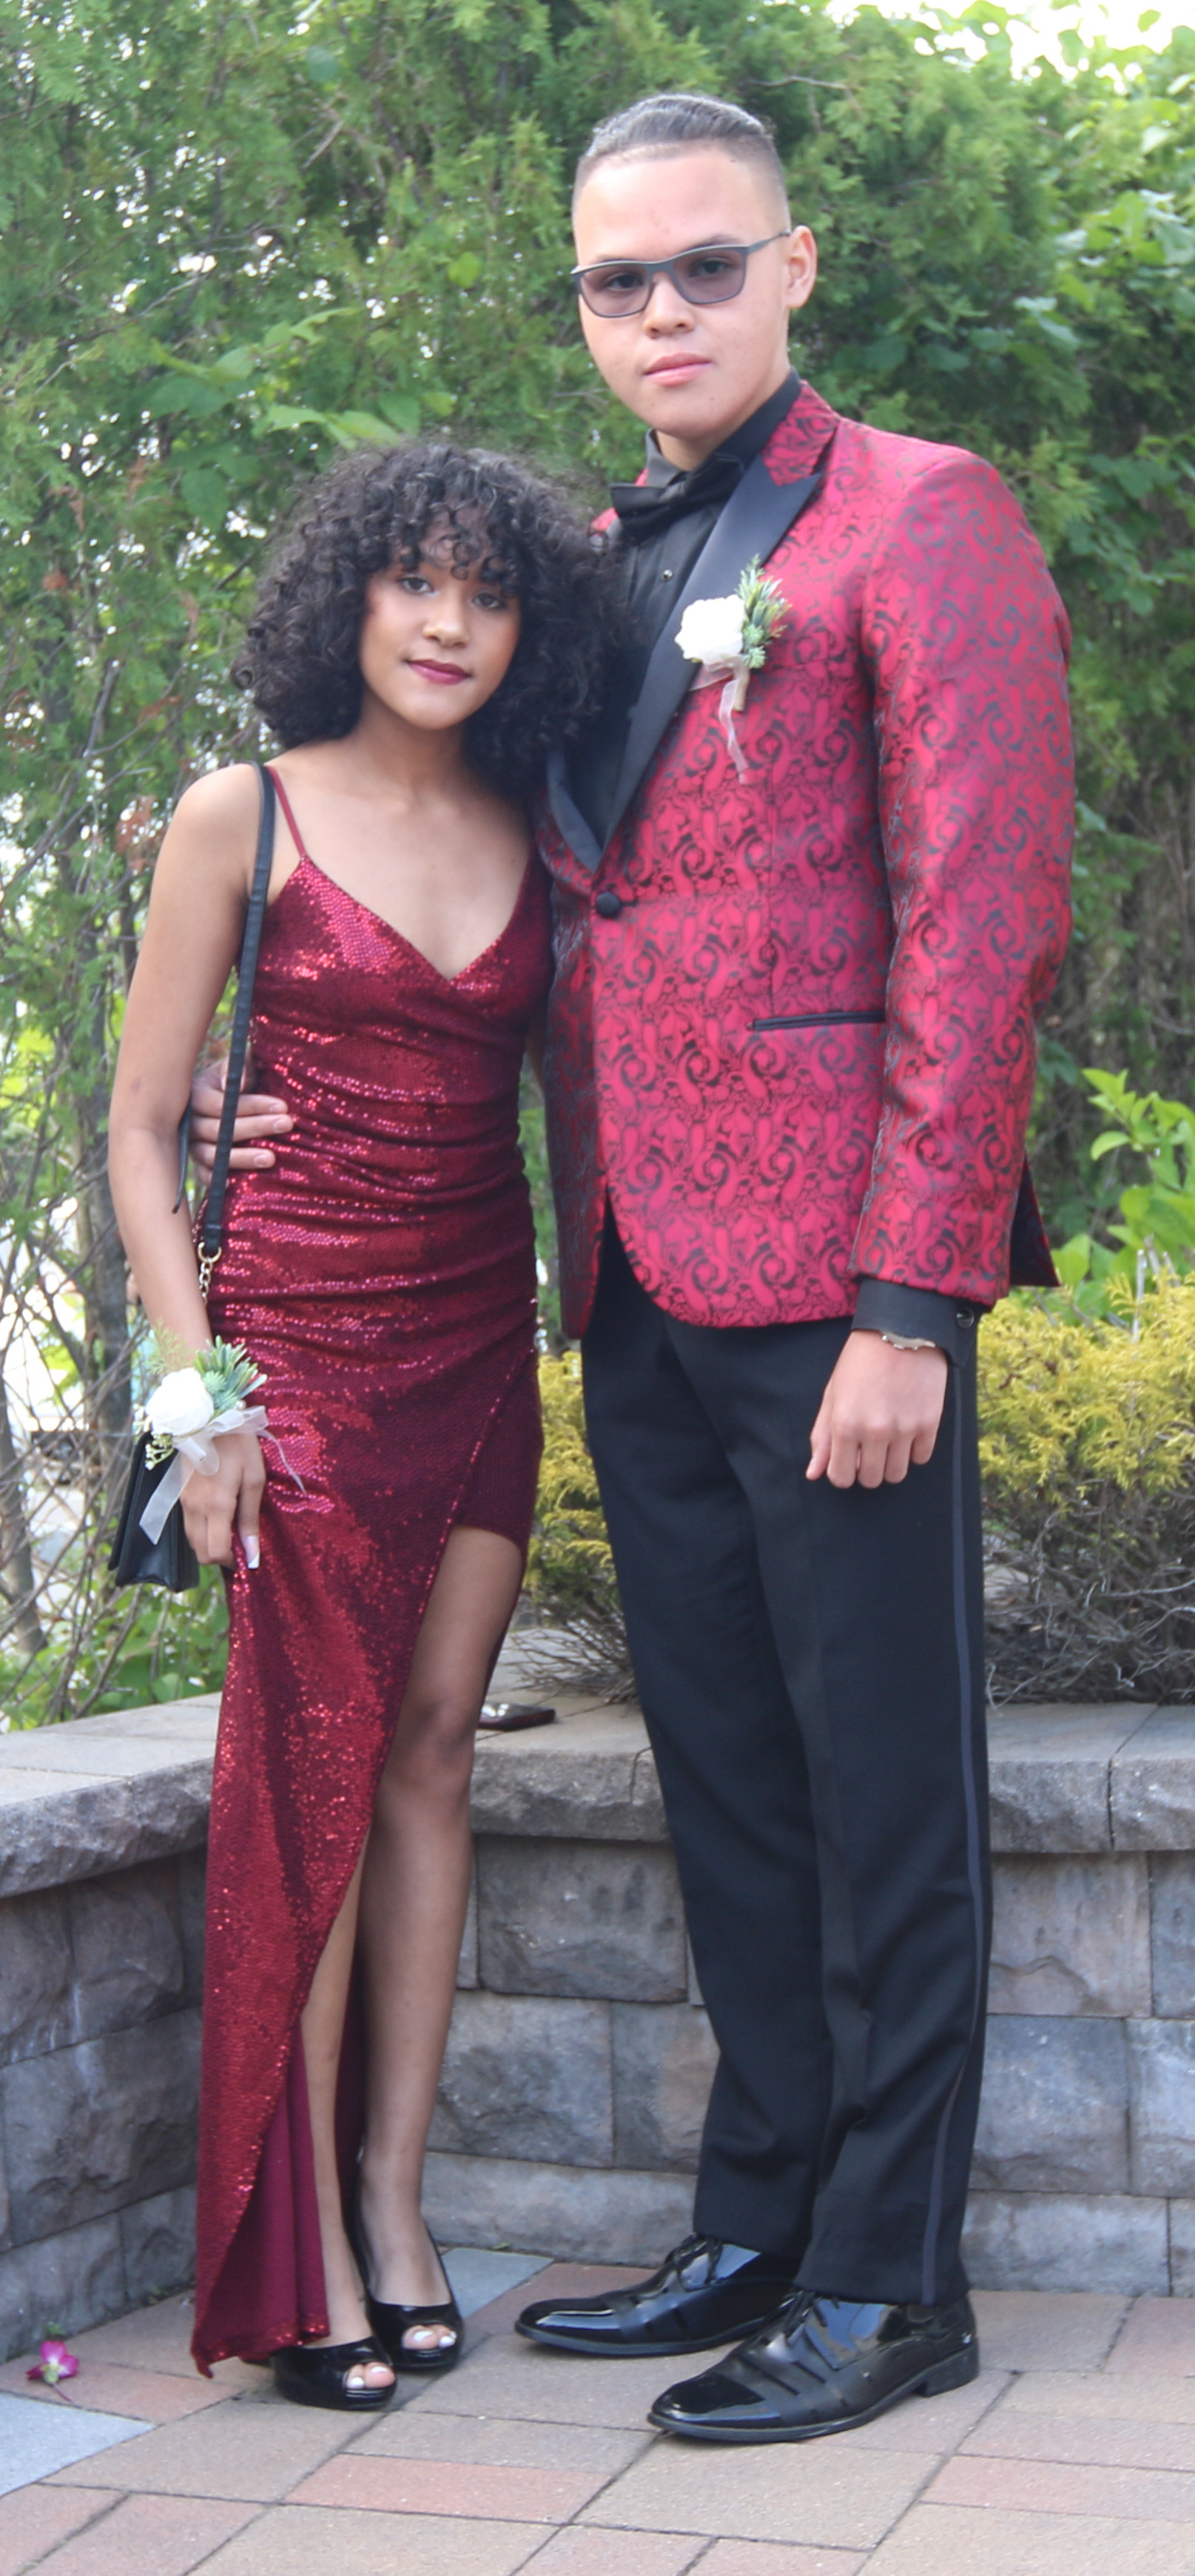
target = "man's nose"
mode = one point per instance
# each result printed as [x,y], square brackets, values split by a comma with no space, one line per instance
[666,307]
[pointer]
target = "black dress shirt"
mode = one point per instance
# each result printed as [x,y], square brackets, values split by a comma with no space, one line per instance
[655,568]
[663,526]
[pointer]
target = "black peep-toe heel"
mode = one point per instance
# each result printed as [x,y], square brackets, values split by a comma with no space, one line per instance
[316,2374]
[391,2321]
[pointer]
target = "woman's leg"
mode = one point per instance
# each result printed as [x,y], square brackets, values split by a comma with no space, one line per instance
[322,2028]
[414,1892]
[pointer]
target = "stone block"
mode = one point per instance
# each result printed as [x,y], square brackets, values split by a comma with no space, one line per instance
[1182,2248]
[1172,1908]
[72,1830]
[96,2126]
[1054,2113]
[1162,2105]
[1153,1785]
[1067,2241]
[158,2244]
[192,1897]
[1070,1935]
[129,1963]
[527,2077]
[466,1966]
[577,2215]
[589,1778]
[5,2202]
[664,2060]
[36,2001]
[580,1918]
[1049,1775]
[71,2280]
[102,1793]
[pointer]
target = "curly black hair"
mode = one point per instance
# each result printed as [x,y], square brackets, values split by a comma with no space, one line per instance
[380,506]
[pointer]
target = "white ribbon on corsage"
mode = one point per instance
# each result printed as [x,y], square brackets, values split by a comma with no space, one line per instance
[195,1455]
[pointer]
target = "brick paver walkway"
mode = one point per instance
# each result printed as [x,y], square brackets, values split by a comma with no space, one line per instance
[1074,2455]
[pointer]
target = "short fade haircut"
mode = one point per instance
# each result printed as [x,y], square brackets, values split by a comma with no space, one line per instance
[679,120]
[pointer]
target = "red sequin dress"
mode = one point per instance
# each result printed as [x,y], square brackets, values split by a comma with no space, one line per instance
[383,1276]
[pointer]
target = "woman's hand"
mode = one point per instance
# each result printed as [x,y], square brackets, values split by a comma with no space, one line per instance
[213,1506]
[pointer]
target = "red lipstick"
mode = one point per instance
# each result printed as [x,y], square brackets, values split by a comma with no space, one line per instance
[444,674]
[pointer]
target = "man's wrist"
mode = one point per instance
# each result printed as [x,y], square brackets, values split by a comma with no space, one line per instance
[917,1315]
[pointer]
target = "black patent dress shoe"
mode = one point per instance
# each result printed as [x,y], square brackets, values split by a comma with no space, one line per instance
[317,2374]
[687,2306]
[824,2365]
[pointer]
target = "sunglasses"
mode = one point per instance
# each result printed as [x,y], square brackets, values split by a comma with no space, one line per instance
[711,274]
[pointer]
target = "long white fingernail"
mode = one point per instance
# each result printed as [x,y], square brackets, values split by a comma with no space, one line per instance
[252,1549]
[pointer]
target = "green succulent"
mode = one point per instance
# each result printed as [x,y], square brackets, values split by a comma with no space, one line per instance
[764,611]
[228,1373]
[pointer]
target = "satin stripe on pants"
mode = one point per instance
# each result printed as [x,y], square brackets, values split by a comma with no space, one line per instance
[810,1667]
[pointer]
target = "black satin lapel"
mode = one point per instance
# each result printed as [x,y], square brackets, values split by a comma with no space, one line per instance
[753,522]
[568,818]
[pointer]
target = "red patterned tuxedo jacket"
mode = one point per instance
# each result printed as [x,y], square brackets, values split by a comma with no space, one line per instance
[803,1048]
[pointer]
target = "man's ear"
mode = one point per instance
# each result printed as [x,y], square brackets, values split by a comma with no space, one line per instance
[801,262]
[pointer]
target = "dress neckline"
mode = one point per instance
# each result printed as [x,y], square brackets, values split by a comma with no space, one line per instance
[379,918]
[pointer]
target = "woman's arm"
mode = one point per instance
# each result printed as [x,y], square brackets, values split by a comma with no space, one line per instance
[196,916]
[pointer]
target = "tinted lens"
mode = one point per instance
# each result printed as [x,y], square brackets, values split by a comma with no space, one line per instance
[620,288]
[702,276]
[710,276]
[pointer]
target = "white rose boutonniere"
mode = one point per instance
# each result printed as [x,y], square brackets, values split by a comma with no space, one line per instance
[730,638]
[711,631]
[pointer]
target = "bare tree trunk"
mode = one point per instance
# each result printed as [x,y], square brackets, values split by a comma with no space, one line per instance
[16,1564]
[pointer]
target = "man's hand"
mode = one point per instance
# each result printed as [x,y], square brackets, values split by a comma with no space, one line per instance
[879,1414]
[258,1116]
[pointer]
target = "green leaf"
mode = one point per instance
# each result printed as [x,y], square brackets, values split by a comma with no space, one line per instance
[359,425]
[206,493]
[198,398]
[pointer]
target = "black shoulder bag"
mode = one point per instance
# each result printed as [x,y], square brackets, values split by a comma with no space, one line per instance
[170,1559]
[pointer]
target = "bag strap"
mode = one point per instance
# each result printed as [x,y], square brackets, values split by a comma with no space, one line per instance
[213,1215]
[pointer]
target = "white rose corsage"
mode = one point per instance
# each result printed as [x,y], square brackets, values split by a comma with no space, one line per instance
[730,638]
[185,1416]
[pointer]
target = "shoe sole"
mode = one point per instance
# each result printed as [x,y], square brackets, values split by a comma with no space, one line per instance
[601,2349]
[958,2372]
[367,2401]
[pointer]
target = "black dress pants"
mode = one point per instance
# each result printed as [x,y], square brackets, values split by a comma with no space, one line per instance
[811,1673]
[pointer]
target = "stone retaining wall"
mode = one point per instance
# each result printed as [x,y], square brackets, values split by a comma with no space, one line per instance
[101,1966]
[580,2054]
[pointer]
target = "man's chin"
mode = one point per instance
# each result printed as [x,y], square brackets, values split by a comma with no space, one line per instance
[696,412]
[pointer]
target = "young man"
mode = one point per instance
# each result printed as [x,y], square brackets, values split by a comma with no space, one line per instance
[801,943]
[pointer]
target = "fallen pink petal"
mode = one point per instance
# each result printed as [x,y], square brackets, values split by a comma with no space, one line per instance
[53,2363]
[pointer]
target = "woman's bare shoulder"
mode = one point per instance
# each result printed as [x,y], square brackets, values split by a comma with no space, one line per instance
[215,822]
[220,797]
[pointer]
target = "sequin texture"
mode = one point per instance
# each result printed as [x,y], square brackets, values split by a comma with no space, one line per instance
[383,1276]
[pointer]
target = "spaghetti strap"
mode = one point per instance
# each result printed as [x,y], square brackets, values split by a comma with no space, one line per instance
[285,803]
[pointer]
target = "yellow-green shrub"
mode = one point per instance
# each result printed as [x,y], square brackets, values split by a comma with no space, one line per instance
[1087,1444]
[1087,1441]
[570,1570]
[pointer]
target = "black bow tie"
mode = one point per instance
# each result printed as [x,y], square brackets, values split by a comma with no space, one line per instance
[646,509]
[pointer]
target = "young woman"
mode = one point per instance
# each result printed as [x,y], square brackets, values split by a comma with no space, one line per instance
[427,629]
